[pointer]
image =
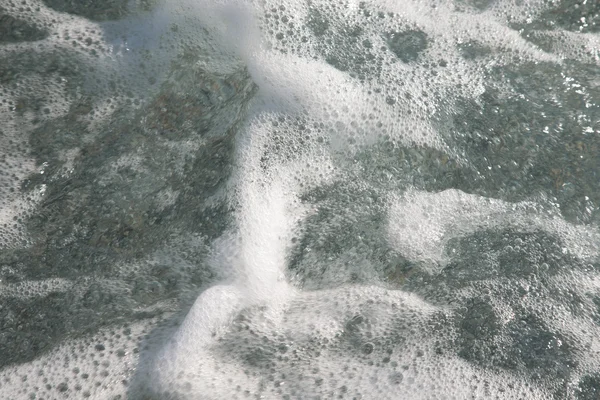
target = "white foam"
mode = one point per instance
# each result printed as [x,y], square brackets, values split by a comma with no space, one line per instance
[256,254]
[335,341]
[96,367]
[422,223]
[322,319]
[299,85]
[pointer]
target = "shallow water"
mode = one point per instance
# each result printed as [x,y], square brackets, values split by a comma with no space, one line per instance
[300,199]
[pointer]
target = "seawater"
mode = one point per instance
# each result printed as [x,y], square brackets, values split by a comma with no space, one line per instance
[300,199]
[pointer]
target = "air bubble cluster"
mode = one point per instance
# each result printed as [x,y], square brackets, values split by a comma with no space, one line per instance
[299,199]
[95,367]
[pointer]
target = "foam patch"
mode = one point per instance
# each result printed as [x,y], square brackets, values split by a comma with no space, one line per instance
[321,146]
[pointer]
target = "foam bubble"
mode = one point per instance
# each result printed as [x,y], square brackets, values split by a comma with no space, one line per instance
[335,81]
[352,342]
[422,223]
[353,106]
[94,367]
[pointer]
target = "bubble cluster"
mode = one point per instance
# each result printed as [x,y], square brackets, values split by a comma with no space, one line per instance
[422,224]
[334,81]
[95,367]
[356,342]
[294,199]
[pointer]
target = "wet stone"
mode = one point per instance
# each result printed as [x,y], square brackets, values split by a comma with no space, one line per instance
[98,10]
[588,388]
[16,30]
[407,45]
